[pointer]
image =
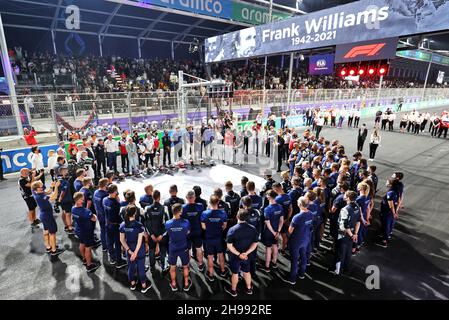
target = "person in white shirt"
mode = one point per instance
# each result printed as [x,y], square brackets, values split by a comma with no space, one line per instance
[418,120]
[384,121]
[426,118]
[432,119]
[149,150]
[411,121]
[374,143]
[403,124]
[357,115]
[391,118]
[350,117]
[37,162]
[319,125]
[51,163]
[111,147]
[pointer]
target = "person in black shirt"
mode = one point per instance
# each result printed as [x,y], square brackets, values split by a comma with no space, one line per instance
[100,156]
[267,186]
[243,191]
[27,177]
[166,144]
[173,199]
[363,133]
[221,204]
[198,199]
[281,144]
[234,200]
[155,218]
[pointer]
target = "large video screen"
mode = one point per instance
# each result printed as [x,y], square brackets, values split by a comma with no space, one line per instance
[354,22]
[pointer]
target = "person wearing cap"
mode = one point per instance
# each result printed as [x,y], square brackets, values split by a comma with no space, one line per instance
[111,147]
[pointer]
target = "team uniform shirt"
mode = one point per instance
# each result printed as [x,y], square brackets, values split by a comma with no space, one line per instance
[349,216]
[132,230]
[145,201]
[234,200]
[242,236]
[363,202]
[170,202]
[77,184]
[177,231]
[273,214]
[315,210]
[284,201]
[294,195]
[254,219]
[64,186]
[84,228]
[214,220]
[302,222]
[26,193]
[384,207]
[201,201]
[112,211]
[257,201]
[192,213]
[286,186]
[155,218]
[43,202]
[99,195]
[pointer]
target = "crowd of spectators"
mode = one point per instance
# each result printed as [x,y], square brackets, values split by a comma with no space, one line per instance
[90,74]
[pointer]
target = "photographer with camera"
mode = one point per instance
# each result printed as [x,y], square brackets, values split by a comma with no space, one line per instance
[86,163]
[65,199]
[27,177]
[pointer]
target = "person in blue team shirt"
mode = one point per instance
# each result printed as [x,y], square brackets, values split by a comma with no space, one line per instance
[389,211]
[284,200]
[242,243]
[348,228]
[318,225]
[363,202]
[256,200]
[213,222]
[332,182]
[84,231]
[111,206]
[274,220]
[373,176]
[78,183]
[65,199]
[178,230]
[132,238]
[400,189]
[243,190]
[99,195]
[192,211]
[147,198]
[299,232]
[155,219]
[315,210]
[294,194]
[43,201]
[254,219]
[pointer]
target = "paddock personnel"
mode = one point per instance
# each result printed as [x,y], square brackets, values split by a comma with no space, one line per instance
[192,211]
[84,230]
[65,198]
[299,238]
[274,220]
[349,224]
[43,199]
[389,211]
[241,242]
[132,235]
[99,195]
[178,230]
[213,222]
[27,177]
[111,205]
[155,219]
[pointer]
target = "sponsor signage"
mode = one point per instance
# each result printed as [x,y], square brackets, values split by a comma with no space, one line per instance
[366,50]
[225,9]
[425,56]
[363,20]
[321,64]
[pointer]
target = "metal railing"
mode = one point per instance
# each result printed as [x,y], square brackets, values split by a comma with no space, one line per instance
[45,112]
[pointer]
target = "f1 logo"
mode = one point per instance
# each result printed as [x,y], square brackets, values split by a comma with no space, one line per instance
[366,50]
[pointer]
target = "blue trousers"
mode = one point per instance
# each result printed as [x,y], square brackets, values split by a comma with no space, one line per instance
[362,234]
[344,252]
[139,266]
[162,252]
[297,253]
[103,234]
[112,161]
[387,224]
[114,245]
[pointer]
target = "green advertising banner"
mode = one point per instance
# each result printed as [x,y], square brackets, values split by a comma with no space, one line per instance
[255,15]
[423,56]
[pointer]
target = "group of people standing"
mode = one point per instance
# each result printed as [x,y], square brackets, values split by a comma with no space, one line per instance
[322,186]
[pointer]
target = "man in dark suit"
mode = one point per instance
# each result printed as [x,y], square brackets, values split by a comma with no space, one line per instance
[363,133]
[100,157]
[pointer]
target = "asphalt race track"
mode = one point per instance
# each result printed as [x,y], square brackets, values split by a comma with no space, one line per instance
[415,266]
